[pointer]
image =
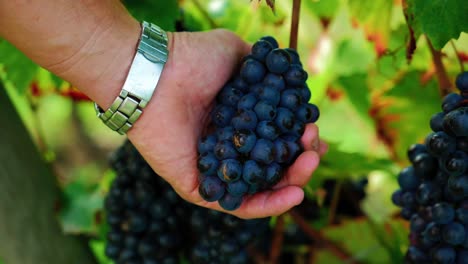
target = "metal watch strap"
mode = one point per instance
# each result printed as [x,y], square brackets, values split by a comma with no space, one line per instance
[143,76]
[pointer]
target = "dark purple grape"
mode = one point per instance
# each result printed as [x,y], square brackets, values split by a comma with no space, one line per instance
[451,102]
[273,173]
[263,151]
[269,95]
[208,163]
[444,255]
[225,133]
[230,202]
[437,122]
[237,188]
[440,144]
[265,111]
[247,101]
[278,61]
[261,49]
[308,113]
[245,119]
[291,98]
[453,233]
[211,189]
[252,71]
[443,213]
[244,140]
[285,119]
[253,173]
[267,130]
[229,96]
[294,56]
[295,76]
[222,115]
[206,144]
[274,81]
[230,170]
[462,215]
[281,151]
[225,149]
[456,122]
[462,81]
[408,180]
[271,40]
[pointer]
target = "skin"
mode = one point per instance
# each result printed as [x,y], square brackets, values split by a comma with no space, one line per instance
[97,41]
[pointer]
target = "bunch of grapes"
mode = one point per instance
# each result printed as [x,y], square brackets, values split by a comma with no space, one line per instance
[259,118]
[149,223]
[145,215]
[433,191]
[225,238]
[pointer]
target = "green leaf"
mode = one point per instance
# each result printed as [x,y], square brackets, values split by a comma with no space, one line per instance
[440,20]
[375,15]
[83,204]
[413,103]
[339,164]
[162,13]
[367,242]
[20,69]
[323,8]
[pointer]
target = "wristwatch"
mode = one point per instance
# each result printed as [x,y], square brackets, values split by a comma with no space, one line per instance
[142,79]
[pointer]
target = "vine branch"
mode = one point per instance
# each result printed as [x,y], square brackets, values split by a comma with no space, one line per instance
[277,242]
[320,239]
[442,77]
[295,24]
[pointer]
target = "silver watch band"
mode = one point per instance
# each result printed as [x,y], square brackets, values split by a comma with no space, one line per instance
[143,76]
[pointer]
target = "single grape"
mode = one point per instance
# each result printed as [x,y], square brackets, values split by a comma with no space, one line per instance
[230,170]
[211,189]
[278,61]
[265,111]
[462,81]
[252,71]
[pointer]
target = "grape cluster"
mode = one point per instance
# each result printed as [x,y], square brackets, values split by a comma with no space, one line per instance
[224,239]
[259,118]
[149,223]
[433,191]
[146,217]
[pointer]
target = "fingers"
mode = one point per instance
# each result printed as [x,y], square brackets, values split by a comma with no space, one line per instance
[265,204]
[310,140]
[300,172]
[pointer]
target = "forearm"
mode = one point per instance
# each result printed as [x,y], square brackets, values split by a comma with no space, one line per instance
[88,43]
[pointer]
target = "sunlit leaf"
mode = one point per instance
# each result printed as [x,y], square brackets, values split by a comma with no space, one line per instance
[440,20]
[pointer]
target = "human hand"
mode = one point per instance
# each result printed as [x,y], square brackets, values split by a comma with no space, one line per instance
[166,135]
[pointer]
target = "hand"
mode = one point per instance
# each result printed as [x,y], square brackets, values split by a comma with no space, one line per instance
[166,135]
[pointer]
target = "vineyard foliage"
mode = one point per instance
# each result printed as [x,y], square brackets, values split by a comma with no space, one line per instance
[371,71]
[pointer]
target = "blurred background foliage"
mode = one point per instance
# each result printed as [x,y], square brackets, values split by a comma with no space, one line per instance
[374,103]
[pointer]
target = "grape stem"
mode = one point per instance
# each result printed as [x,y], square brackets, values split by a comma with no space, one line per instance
[442,77]
[294,24]
[320,239]
[334,202]
[460,61]
[277,243]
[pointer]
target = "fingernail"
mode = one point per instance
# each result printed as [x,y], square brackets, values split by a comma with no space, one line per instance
[316,144]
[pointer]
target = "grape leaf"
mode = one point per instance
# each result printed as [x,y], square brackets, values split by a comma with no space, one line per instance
[376,17]
[162,13]
[440,20]
[376,243]
[20,70]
